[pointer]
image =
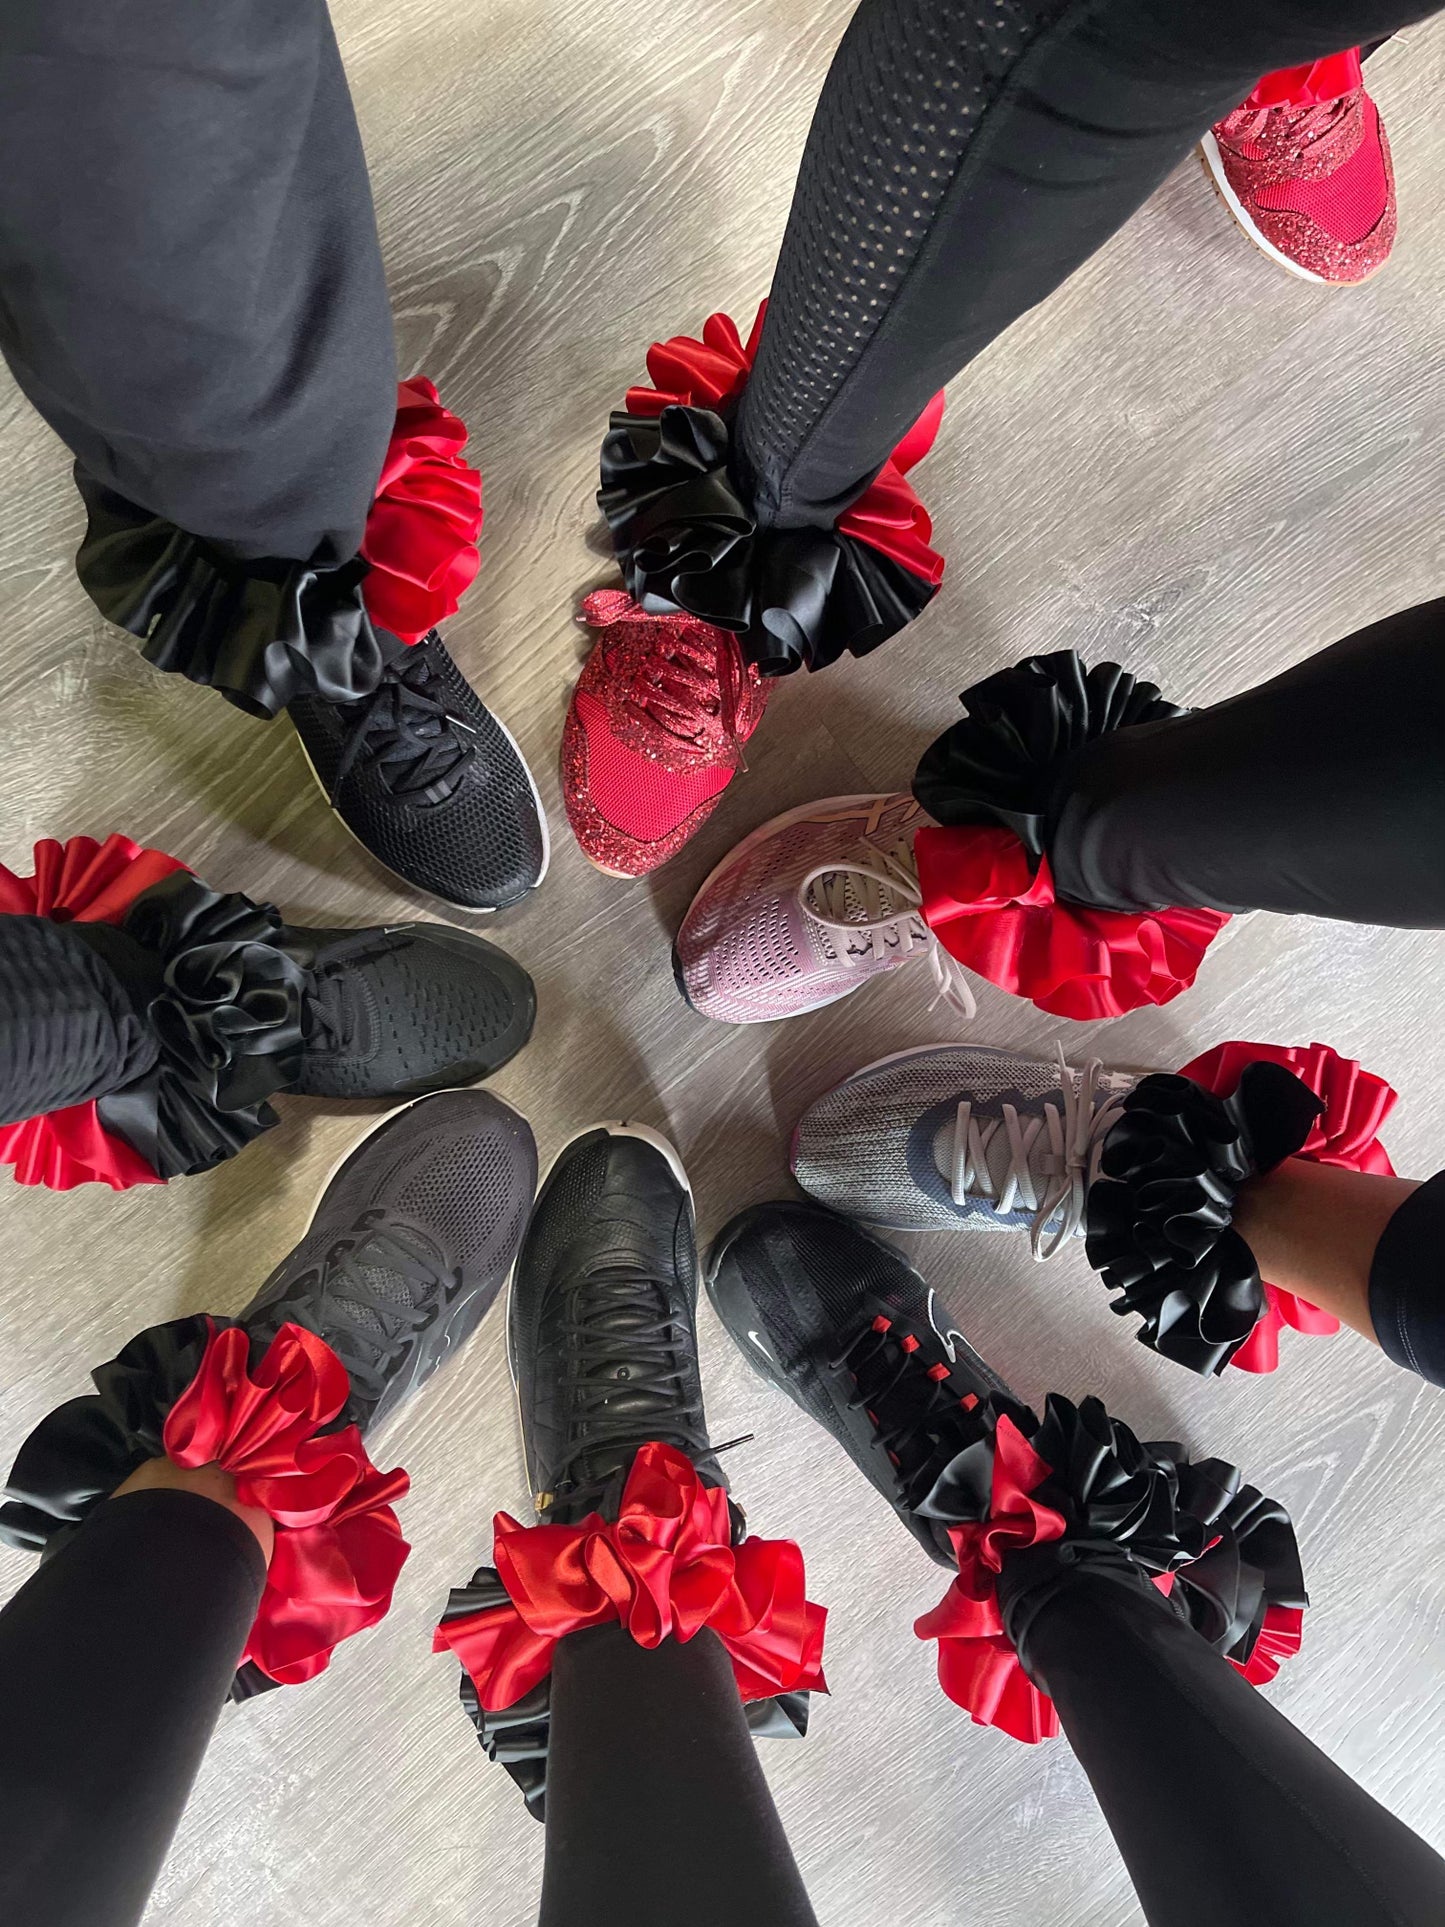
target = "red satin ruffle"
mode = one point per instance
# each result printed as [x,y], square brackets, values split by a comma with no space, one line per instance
[1311,85]
[666,1569]
[422,529]
[79,881]
[709,373]
[1346,1134]
[338,1547]
[995,913]
[977,1666]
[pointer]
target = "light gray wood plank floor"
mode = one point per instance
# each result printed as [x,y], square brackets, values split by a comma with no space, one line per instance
[1186,460]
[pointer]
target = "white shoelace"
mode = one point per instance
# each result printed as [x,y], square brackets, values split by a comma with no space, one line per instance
[890,898]
[1052,1159]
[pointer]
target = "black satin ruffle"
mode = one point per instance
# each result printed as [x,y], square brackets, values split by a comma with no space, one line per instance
[519,1737]
[795,598]
[1004,763]
[228,1020]
[1252,1562]
[1159,1218]
[260,632]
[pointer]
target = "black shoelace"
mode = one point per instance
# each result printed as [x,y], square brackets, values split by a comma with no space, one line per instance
[910,1403]
[420,747]
[328,1015]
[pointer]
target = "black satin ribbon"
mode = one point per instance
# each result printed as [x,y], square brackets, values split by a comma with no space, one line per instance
[228,1019]
[686,541]
[1006,761]
[519,1737]
[260,632]
[1160,1215]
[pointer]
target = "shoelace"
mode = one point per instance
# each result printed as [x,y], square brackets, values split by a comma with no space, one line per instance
[370,1332]
[888,1368]
[405,727]
[1303,128]
[1052,1160]
[684,682]
[327,1014]
[891,899]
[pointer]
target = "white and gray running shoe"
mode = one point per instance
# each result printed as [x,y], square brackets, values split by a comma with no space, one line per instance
[961,1134]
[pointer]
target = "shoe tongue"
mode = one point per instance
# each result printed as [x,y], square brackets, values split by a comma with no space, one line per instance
[371,1267]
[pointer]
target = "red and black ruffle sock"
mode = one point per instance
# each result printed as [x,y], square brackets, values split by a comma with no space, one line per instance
[1159,1215]
[218,1025]
[1032,1506]
[671,1561]
[192,1391]
[688,541]
[265,631]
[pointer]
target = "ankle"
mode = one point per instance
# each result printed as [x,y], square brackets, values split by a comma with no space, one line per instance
[206,1482]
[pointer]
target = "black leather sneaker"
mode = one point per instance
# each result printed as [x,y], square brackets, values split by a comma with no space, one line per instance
[601,1326]
[843,1324]
[408,1246]
[429,781]
[405,1008]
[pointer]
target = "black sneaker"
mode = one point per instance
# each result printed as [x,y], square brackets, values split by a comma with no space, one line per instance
[408,1246]
[429,781]
[843,1324]
[601,1330]
[406,1008]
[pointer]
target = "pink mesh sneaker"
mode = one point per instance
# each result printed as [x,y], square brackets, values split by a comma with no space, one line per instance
[1304,167]
[654,732]
[808,908]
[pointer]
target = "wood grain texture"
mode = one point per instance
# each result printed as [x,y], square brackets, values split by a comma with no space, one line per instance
[1186,460]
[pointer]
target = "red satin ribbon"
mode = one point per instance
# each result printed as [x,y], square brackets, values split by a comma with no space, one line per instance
[422,529]
[1345,1134]
[1280,1638]
[339,1547]
[995,913]
[80,881]
[977,1666]
[888,516]
[666,1569]
[1312,85]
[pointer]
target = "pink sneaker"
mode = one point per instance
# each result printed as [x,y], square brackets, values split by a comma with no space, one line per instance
[807,909]
[1304,167]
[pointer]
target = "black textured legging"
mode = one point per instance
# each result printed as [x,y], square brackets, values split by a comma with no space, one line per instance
[966,156]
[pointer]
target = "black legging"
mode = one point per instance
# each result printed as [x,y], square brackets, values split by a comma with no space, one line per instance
[116,1657]
[963,161]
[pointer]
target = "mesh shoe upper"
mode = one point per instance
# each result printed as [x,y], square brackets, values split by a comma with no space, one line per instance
[409,1244]
[846,1327]
[426,777]
[408,1009]
[885,1144]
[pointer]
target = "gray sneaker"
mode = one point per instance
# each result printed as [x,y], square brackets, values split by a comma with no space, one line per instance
[408,1246]
[960,1134]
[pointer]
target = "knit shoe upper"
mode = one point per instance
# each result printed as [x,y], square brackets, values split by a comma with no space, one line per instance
[425,776]
[408,1246]
[407,1008]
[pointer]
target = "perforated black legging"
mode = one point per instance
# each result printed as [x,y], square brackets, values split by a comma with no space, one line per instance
[966,156]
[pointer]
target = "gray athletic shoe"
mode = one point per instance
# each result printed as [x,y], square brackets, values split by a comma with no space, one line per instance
[408,1246]
[959,1134]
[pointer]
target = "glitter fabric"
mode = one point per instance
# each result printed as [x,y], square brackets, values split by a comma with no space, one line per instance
[654,733]
[1311,183]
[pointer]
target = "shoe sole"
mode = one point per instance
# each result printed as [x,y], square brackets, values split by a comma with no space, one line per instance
[1213,161]
[475,909]
[614,1128]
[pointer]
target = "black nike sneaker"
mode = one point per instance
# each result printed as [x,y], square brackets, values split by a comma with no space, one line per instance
[843,1324]
[408,1246]
[601,1327]
[429,781]
[402,1009]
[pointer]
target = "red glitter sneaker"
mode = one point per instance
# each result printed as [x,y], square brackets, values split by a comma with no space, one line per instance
[654,732]
[1304,167]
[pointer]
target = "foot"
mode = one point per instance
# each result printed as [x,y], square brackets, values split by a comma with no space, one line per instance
[654,734]
[601,1328]
[809,908]
[955,1134]
[426,778]
[1311,184]
[407,1008]
[846,1327]
[408,1246]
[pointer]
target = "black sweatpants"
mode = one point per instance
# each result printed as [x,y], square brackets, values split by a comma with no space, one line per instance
[964,159]
[116,1657]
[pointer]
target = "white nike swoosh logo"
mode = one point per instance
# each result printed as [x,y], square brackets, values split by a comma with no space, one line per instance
[762,1348]
[946,1339]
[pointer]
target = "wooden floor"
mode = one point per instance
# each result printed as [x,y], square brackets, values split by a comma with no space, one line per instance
[1186,460]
